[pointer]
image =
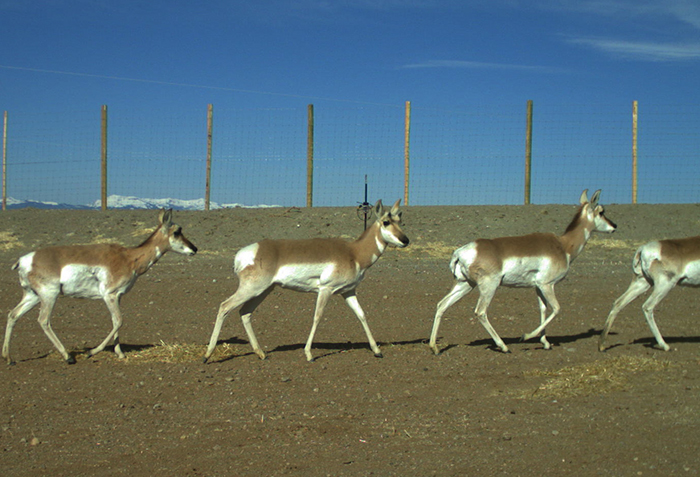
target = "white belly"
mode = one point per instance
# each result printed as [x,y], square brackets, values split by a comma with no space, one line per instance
[691,275]
[83,281]
[527,271]
[310,277]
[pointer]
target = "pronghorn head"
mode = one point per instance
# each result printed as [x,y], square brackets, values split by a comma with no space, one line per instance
[390,224]
[595,213]
[173,232]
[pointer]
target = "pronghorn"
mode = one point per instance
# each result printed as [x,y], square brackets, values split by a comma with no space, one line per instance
[661,265]
[537,260]
[96,271]
[326,266]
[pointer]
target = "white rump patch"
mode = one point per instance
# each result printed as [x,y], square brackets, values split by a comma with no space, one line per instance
[649,252]
[25,262]
[466,254]
[245,257]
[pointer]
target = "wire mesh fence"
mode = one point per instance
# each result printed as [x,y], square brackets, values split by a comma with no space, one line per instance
[457,156]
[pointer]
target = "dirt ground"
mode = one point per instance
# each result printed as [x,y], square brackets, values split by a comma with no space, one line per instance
[632,410]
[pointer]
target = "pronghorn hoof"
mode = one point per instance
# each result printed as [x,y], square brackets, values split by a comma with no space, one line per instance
[70,360]
[11,363]
[205,359]
[378,355]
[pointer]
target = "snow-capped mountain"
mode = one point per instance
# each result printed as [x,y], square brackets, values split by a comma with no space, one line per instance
[129,202]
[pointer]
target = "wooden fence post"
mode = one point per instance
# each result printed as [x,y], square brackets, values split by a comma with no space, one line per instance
[634,151]
[310,157]
[103,158]
[210,124]
[4,162]
[528,153]
[406,152]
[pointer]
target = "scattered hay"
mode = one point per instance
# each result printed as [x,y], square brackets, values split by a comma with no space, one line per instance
[594,378]
[178,353]
[142,230]
[429,250]
[9,241]
[99,238]
[217,253]
[615,244]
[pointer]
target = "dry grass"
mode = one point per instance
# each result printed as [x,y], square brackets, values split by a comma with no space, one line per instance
[615,244]
[102,239]
[178,353]
[142,230]
[428,250]
[9,241]
[593,378]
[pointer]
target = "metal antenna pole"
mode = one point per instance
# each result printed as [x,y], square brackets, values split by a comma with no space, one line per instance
[365,209]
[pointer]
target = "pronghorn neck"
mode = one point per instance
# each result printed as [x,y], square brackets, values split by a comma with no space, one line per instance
[577,234]
[149,252]
[369,246]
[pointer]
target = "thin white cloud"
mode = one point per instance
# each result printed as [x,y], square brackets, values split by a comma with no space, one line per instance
[684,11]
[643,50]
[477,65]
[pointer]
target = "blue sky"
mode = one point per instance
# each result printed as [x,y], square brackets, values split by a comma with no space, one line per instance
[76,55]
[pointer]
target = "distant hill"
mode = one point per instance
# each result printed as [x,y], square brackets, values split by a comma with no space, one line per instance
[128,202]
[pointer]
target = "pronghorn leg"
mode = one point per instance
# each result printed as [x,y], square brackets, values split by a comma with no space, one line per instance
[246,312]
[351,300]
[47,304]
[487,290]
[112,302]
[546,295]
[662,286]
[638,286]
[323,295]
[29,301]
[542,302]
[244,294]
[459,289]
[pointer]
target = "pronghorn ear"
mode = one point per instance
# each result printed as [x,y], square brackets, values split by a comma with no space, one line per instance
[594,199]
[584,197]
[395,209]
[166,219]
[379,209]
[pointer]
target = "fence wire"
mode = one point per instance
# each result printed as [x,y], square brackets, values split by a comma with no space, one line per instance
[458,156]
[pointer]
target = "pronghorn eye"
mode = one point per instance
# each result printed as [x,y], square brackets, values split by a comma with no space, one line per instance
[386,223]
